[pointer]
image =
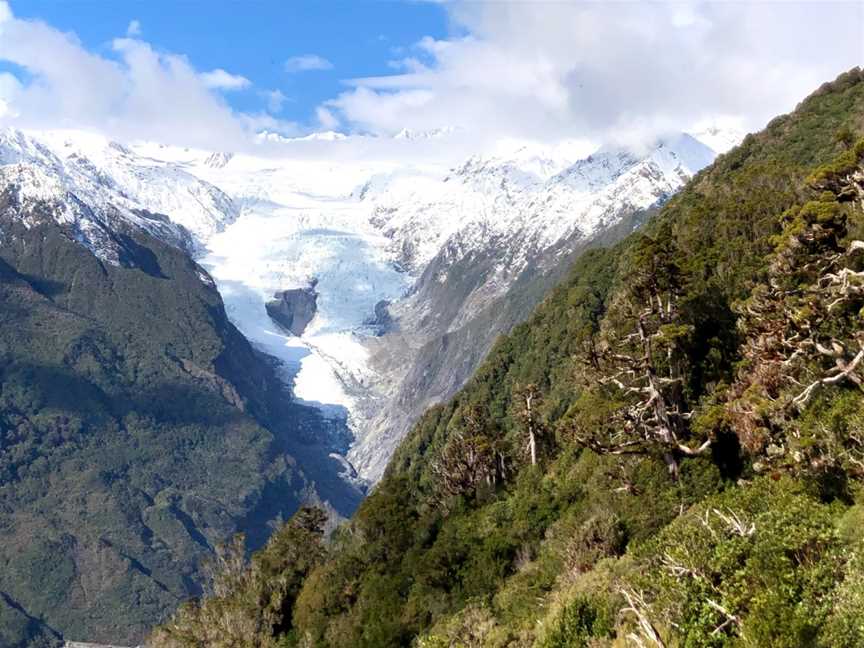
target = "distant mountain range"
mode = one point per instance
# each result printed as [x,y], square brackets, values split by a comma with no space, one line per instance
[435,247]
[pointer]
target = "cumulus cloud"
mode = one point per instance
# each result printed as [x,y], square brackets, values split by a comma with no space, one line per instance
[275,100]
[307,63]
[192,113]
[133,92]
[621,71]
[10,87]
[326,119]
[609,69]
[222,80]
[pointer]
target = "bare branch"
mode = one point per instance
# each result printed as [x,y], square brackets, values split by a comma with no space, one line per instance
[637,605]
[694,452]
[730,618]
[836,375]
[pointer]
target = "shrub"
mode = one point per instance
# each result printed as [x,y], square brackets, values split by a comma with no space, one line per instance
[755,564]
[600,536]
[579,621]
[250,604]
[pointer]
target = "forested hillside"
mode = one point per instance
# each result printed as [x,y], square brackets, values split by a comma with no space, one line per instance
[668,453]
[138,429]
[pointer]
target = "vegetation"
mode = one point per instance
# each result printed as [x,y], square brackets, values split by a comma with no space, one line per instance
[138,429]
[250,602]
[668,453]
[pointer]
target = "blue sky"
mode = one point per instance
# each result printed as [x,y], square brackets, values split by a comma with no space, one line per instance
[254,39]
[214,74]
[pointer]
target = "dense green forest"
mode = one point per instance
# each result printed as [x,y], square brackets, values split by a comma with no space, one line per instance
[138,428]
[669,452]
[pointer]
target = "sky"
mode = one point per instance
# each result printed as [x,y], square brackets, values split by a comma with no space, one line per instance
[299,49]
[213,74]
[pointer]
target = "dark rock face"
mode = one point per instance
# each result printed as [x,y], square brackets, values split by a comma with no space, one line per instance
[294,309]
[381,321]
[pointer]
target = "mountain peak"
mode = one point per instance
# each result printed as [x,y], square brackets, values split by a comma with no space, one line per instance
[686,150]
[318,136]
[719,139]
[432,133]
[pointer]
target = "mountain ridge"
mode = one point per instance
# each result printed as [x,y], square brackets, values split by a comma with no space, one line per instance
[139,428]
[556,220]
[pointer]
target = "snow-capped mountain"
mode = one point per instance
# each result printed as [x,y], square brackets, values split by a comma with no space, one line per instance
[165,188]
[93,182]
[322,136]
[537,197]
[435,133]
[75,194]
[397,254]
[492,225]
[719,139]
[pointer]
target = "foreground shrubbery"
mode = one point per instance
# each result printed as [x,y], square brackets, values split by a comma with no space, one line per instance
[250,602]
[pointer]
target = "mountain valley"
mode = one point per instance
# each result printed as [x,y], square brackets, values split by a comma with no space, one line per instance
[405,240]
[399,279]
[463,324]
[667,452]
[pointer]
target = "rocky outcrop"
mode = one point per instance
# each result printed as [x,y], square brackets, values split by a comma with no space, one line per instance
[381,321]
[294,309]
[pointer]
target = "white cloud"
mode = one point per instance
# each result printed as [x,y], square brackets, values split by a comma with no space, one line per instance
[255,123]
[68,82]
[275,100]
[326,119]
[136,93]
[609,69]
[10,86]
[134,28]
[221,80]
[526,70]
[306,63]
[193,113]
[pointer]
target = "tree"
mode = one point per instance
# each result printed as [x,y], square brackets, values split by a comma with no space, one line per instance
[249,603]
[641,362]
[528,400]
[471,457]
[802,328]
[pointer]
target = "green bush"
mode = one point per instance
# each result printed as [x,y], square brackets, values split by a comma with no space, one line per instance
[250,604]
[577,623]
[755,565]
[600,536]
